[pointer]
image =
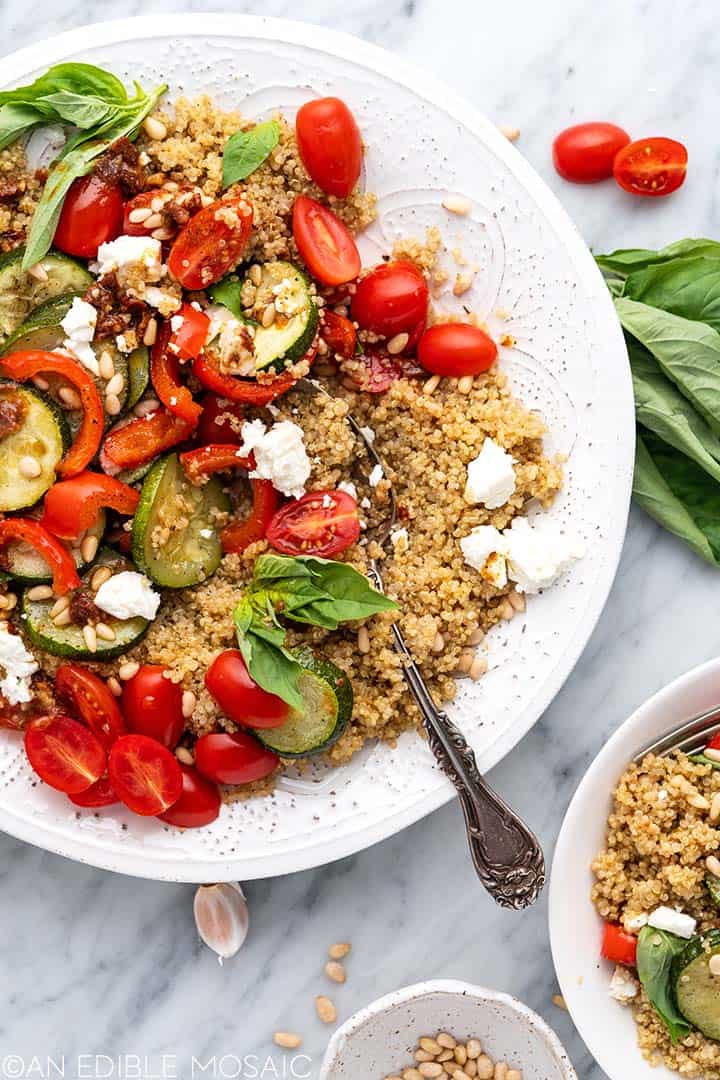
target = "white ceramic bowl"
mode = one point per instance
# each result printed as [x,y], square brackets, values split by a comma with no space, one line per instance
[575,928]
[380,1040]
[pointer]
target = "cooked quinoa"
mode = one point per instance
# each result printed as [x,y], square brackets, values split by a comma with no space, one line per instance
[658,837]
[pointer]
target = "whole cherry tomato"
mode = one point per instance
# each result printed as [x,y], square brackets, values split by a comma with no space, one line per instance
[239,696]
[145,775]
[618,946]
[456,349]
[212,243]
[233,759]
[199,802]
[585,153]
[322,523]
[64,753]
[220,421]
[391,299]
[91,698]
[91,215]
[330,145]
[651,167]
[152,705]
[326,245]
[101,793]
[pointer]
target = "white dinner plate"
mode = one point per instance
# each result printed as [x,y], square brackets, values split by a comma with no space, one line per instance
[569,362]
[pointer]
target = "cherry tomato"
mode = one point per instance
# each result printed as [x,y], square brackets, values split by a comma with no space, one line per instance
[220,421]
[391,299]
[382,370]
[339,335]
[187,341]
[91,698]
[212,242]
[143,201]
[199,802]
[330,145]
[585,153]
[152,705]
[64,753]
[239,696]
[714,743]
[321,523]
[651,167]
[101,793]
[618,946]
[456,349]
[233,759]
[325,244]
[145,775]
[91,214]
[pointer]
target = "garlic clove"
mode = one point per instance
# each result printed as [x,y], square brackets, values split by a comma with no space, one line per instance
[221,917]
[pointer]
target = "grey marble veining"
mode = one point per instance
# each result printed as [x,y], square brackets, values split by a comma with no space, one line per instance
[93,963]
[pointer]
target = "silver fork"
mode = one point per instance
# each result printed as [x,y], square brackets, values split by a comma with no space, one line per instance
[506,854]
[691,737]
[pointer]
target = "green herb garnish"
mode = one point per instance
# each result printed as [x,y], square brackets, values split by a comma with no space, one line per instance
[656,950]
[245,151]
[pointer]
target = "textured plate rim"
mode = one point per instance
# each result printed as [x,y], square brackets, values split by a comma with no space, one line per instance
[168,867]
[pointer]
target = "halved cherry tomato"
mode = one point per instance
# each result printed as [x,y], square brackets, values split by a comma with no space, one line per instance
[92,214]
[239,696]
[391,299]
[199,802]
[61,563]
[212,243]
[72,506]
[152,705]
[651,167]
[326,245]
[165,376]
[585,153]
[146,776]
[187,341]
[233,759]
[456,349]
[101,793]
[618,946]
[206,460]
[216,423]
[64,753]
[142,439]
[339,334]
[330,145]
[26,363]
[91,698]
[247,391]
[321,523]
[144,201]
[714,743]
[238,535]
[382,370]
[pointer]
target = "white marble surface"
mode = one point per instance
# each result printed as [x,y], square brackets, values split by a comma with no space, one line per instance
[97,964]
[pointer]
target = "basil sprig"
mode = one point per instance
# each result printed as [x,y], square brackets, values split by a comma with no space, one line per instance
[303,589]
[245,151]
[656,950]
[96,107]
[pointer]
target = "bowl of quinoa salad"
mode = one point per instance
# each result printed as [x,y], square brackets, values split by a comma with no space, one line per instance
[636,869]
[187,530]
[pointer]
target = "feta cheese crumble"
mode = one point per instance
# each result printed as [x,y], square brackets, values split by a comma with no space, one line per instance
[79,326]
[376,476]
[674,922]
[280,455]
[369,434]
[130,255]
[127,595]
[18,665]
[490,477]
[623,985]
[484,549]
[349,488]
[400,540]
[165,302]
[538,556]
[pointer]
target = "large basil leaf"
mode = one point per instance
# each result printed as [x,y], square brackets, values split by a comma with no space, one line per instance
[656,951]
[626,261]
[686,287]
[17,119]
[75,77]
[245,151]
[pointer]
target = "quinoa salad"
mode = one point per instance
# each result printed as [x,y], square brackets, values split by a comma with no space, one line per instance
[657,886]
[187,515]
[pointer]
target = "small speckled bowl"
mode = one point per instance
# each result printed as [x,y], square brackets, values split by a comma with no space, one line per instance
[380,1040]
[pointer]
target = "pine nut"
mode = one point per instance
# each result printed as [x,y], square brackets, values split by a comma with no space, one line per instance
[501,1071]
[162,234]
[69,397]
[559,1001]
[446,1055]
[89,548]
[393,1078]
[287,1039]
[106,365]
[189,701]
[715,808]
[185,756]
[325,1009]
[105,632]
[411,1074]
[128,670]
[256,274]
[517,600]
[461,1054]
[42,384]
[714,964]
[90,637]
[457,204]
[115,384]
[397,343]
[8,601]
[485,1068]
[154,128]
[39,272]
[139,214]
[339,950]
[114,686]
[465,384]
[29,467]
[478,668]
[713,865]
[476,637]
[430,1045]
[431,385]
[63,618]
[505,610]
[445,1040]
[335,971]
[471,1069]
[714,755]
[155,221]
[699,802]
[144,408]
[157,204]
[101,575]
[514,1074]
[422,1055]
[363,640]
[460,1074]
[474,1049]
[268,316]
[60,604]
[40,592]
[112,405]
[438,644]
[512,134]
[430,1068]
[150,335]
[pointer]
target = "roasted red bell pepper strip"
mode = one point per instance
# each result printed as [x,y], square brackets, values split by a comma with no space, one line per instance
[72,506]
[27,363]
[141,440]
[64,572]
[237,389]
[619,946]
[165,376]
[238,535]
[206,460]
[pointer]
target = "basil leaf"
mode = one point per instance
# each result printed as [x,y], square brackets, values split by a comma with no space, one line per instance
[625,262]
[78,78]
[78,109]
[227,292]
[687,287]
[15,120]
[269,663]
[339,592]
[700,759]
[656,951]
[245,151]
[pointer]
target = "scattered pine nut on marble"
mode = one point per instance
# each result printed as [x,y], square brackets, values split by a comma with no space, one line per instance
[339,950]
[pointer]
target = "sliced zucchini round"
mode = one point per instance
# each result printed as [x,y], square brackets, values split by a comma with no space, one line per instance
[36,427]
[712,884]
[697,990]
[68,641]
[175,539]
[328,696]
[20,292]
[25,565]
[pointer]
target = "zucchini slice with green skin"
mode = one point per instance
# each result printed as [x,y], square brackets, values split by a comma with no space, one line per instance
[293,330]
[697,990]
[174,536]
[35,427]
[138,378]
[20,292]
[26,566]
[68,641]
[712,884]
[328,696]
